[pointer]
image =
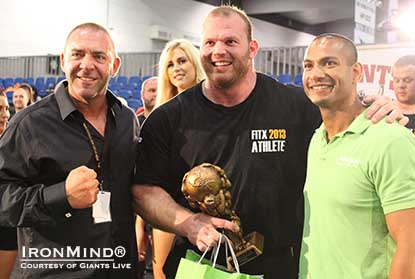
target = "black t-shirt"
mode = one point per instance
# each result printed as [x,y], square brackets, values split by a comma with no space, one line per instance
[261,144]
[411,123]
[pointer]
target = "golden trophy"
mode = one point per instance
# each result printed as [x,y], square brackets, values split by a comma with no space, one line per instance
[207,187]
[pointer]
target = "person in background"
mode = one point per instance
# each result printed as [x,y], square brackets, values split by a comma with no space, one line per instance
[4,111]
[148,97]
[403,73]
[8,236]
[360,185]
[22,97]
[35,96]
[179,69]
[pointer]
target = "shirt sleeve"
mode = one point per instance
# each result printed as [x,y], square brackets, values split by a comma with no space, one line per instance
[154,149]
[394,174]
[24,203]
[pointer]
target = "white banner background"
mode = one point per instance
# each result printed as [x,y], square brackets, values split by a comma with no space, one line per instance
[377,61]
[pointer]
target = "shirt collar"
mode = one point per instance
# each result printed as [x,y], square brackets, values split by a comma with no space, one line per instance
[67,106]
[358,126]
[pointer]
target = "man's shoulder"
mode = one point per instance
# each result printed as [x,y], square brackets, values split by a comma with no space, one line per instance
[34,115]
[173,110]
[276,88]
[43,107]
[125,111]
[289,99]
[386,133]
[183,100]
[189,93]
[126,117]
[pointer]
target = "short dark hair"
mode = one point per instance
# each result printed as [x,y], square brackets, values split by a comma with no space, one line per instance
[93,26]
[29,89]
[228,10]
[406,60]
[352,50]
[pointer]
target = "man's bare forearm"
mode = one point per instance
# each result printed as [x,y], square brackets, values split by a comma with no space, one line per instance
[158,208]
[403,265]
[401,226]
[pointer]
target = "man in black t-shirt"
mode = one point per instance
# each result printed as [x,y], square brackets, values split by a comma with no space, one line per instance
[253,127]
[403,72]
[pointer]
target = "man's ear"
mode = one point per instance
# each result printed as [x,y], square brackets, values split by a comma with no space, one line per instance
[357,72]
[116,66]
[62,62]
[253,48]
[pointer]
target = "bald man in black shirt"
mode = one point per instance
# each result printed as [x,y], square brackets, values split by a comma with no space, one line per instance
[66,166]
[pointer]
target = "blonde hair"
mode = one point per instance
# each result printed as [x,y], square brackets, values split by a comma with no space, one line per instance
[166,90]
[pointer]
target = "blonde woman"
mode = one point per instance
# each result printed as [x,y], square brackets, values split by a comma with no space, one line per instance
[179,69]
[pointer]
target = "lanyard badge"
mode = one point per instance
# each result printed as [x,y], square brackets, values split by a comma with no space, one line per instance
[101,208]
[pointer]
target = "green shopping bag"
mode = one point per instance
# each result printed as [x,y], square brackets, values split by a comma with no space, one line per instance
[193,270]
[197,267]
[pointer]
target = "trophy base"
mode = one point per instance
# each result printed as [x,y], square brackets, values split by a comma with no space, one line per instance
[251,249]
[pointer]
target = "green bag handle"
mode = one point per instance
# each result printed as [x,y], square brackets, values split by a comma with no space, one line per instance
[215,252]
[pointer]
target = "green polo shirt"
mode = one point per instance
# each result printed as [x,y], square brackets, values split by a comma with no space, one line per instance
[362,174]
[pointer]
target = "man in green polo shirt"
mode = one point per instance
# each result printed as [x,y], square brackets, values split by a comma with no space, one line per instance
[360,186]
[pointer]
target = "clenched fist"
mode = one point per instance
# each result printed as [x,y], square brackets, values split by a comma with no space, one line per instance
[81,187]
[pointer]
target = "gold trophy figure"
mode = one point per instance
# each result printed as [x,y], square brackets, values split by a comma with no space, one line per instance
[206,187]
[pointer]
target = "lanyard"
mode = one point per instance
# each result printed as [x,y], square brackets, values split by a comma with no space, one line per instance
[94,149]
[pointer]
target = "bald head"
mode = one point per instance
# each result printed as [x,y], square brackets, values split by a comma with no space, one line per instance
[331,72]
[94,27]
[406,60]
[149,93]
[152,80]
[403,73]
[346,45]
[228,11]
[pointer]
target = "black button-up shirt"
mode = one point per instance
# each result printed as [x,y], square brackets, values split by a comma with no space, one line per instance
[39,148]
